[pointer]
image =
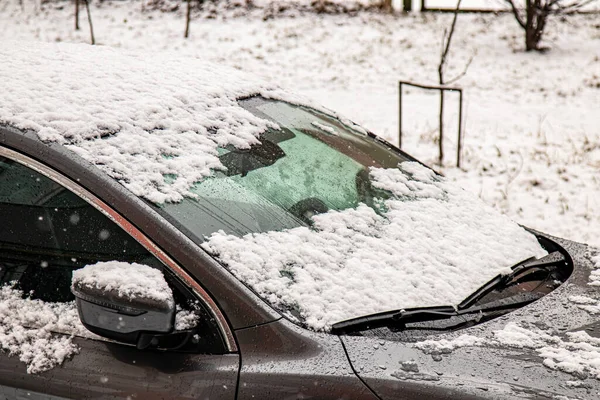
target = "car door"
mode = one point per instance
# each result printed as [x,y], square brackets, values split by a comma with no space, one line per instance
[46,232]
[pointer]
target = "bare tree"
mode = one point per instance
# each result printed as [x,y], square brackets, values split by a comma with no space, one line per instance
[76,15]
[535,15]
[87,8]
[446,42]
[188,15]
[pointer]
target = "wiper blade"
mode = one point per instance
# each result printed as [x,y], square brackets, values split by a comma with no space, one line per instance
[398,320]
[424,314]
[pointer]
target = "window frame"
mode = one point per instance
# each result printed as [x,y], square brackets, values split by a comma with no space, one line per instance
[135,233]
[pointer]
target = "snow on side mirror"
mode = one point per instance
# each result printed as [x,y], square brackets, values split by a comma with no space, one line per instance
[123,301]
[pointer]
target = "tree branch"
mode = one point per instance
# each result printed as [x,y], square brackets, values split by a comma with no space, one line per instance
[516,13]
[463,73]
[446,45]
[570,7]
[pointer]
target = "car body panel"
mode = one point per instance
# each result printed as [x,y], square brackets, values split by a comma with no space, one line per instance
[282,361]
[116,371]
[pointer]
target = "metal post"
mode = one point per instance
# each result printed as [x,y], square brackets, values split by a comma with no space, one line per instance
[442,90]
[400,115]
[441,143]
[460,116]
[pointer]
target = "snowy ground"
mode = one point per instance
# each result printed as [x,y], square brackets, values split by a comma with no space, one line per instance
[532,145]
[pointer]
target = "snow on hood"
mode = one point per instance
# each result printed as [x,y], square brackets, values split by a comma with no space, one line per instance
[433,244]
[575,353]
[136,116]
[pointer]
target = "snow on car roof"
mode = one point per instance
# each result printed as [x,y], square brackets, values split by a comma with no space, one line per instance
[137,116]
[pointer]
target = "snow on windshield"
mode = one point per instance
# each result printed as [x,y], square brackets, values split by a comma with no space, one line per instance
[433,244]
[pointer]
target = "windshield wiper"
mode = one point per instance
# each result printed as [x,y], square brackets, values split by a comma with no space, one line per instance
[400,320]
[468,312]
[519,270]
[424,314]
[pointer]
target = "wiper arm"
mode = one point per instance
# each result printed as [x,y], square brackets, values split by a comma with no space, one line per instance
[501,281]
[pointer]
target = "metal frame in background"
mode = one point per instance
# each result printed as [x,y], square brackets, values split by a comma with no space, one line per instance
[452,9]
[441,89]
[497,11]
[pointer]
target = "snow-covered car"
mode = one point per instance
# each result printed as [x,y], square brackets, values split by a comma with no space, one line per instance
[174,229]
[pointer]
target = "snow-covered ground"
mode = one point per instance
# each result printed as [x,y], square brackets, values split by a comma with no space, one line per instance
[532,141]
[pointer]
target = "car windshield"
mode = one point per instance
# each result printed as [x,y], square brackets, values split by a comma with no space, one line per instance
[311,165]
[327,223]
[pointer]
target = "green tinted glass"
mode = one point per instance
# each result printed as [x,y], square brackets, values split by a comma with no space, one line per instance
[312,164]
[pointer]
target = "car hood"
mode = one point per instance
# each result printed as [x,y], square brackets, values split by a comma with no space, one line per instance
[547,349]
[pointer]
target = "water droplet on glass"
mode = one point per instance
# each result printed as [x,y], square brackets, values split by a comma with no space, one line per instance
[74,219]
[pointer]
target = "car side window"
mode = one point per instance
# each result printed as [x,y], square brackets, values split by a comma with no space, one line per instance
[47,232]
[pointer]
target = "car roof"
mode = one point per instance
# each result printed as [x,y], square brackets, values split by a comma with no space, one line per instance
[137,116]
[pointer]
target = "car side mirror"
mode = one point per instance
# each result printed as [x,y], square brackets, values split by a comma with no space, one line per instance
[130,303]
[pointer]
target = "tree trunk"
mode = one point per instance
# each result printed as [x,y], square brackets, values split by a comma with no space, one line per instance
[532,40]
[76,15]
[537,13]
[187,19]
[87,7]
[386,5]
[534,28]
